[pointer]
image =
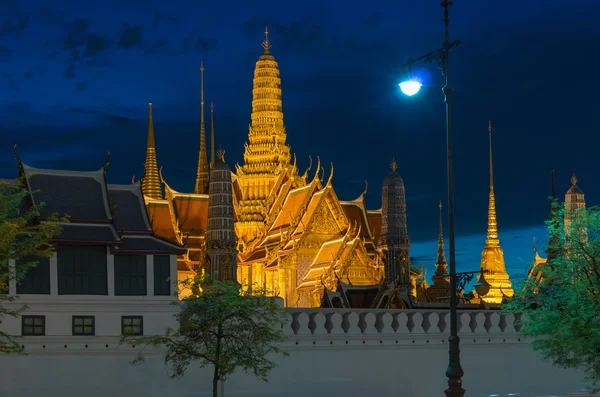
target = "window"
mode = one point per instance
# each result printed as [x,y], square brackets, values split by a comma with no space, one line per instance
[132,325]
[84,325]
[162,273]
[82,270]
[33,325]
[37,278]
[130,274]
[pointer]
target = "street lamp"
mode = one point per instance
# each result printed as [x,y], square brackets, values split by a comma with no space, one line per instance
[411,87]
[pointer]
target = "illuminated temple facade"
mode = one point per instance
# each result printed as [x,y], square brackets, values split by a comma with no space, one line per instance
[293,235]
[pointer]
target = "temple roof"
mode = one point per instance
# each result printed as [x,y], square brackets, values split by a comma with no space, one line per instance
[88,233]
[192,211]
[357,213]
[147,245]
[374,218]
[130,210]
[79,194]
[292,206]
[160,216]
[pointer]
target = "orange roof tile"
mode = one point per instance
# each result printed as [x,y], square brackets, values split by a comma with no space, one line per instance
[356,214]
[192,213]
[160,218]
[374,218]
[292,206]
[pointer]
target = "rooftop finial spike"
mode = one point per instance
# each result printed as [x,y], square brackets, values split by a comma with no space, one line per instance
[573,180]
[491,169]
[394,165]
[266,44]
[212,134]
[221,154]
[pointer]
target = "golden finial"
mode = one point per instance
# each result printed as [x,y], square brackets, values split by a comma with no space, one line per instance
[133,179]
[16,156]
[330,176]
[394,165]
[221,154]
[491,168]
[490,126]
[574,179]
[266,44]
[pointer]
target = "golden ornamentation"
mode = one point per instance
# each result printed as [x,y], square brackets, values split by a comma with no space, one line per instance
[573,180]
[202,173]
[150,180]
[394,165]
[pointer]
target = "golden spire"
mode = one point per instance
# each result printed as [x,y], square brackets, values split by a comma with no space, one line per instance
[202,174]
[440,265]
[492,232]
[150,182]
[394,165]
[266,44]
[492,256]
[574,180]
[212,134]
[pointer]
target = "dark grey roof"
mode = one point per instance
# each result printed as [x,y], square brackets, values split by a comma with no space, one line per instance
[87,232]
[130,210]
[148,244]
[79,194]
[393,179]
[220,165]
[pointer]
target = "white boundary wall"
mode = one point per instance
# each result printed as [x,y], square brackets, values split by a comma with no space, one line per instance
[332,353]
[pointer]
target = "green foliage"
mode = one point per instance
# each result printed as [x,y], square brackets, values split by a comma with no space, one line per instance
[562,309]
[223,327]
[24,239]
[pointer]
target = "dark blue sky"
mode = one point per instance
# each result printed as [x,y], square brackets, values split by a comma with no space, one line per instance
[76,76]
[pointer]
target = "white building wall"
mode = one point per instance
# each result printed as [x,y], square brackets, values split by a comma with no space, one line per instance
[157,311]
[332,353]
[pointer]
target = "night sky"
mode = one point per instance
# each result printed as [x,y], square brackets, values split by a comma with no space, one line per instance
[76,76]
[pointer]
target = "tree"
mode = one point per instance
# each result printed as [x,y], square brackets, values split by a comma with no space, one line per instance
[26,241]
[223,327]
[561,310]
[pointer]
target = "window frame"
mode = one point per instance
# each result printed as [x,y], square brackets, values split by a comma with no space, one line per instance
[74,270]
[121,276]
[123,326]
[33,317]
[83,333]
[34,279]
[158,289]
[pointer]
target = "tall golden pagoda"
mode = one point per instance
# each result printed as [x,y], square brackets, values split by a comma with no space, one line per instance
[150,182]
[266,155]
[492,257]
[441,282]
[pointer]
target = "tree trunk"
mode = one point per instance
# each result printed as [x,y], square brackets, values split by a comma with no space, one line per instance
[216,382]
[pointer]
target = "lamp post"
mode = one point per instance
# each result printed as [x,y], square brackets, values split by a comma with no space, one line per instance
[412,87]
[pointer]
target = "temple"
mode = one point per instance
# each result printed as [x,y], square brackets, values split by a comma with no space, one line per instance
[293,235]
[574,202]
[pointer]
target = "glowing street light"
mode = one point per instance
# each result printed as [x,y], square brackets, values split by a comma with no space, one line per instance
[410,87]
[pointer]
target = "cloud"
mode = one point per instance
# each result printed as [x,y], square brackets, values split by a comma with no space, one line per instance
[160,19]
[51,17]
[96,44]
[160,44]
[5,53]
[69,72]
[76,33]
[200,44]
[295,36]
[131,37]
[81,86]
[28,75]
[14,26]
[375,19]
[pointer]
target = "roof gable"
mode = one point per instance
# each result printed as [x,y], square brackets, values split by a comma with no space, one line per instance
[79,194]
[130,211]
